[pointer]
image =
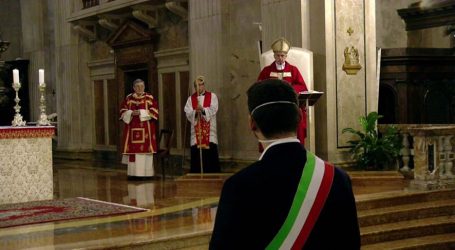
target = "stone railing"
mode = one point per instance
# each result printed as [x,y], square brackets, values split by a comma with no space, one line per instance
[428,155]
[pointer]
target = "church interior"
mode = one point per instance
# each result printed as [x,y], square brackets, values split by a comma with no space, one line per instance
[67,65]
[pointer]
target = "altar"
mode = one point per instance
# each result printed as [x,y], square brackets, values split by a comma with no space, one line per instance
[26,163]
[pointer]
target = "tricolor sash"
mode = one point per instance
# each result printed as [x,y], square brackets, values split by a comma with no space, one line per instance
[312,192]
[202,127]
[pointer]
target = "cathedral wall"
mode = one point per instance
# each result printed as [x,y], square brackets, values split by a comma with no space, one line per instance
[390,28]
[11,28]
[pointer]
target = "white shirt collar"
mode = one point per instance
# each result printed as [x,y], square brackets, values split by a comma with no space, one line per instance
[280,67]
[279,141]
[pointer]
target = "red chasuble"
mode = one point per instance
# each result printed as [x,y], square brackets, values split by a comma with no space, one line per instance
[202,127]
[139,136]
[292,75]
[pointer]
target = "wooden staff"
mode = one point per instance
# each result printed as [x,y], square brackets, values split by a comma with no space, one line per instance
[199,135]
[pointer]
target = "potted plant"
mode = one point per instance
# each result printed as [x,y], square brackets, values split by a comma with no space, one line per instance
[371,150]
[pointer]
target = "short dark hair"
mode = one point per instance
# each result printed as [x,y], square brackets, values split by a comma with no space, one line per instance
[276,118]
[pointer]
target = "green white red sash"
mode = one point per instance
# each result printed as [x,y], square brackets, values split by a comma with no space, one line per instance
[312,192]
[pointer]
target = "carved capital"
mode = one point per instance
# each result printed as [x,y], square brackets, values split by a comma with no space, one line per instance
[149,17]
[86,29]
[176,8]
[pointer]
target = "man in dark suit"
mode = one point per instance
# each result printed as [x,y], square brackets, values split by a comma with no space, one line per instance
[289,198]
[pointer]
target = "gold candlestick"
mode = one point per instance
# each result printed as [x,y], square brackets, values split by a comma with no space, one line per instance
[17,122]
[43,121]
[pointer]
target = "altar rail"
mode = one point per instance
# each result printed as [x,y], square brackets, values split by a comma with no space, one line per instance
[427,154]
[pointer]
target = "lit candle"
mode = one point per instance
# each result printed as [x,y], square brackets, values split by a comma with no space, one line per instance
[41,77]
[15,76]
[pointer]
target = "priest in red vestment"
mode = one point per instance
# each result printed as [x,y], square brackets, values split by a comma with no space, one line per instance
[139,112]
[281,69]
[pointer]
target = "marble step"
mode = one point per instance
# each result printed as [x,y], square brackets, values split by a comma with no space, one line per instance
[406,212]
[431,242]
[388,199]
[407,229]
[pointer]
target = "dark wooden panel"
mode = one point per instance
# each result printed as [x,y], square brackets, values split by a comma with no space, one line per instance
[438,13]
[99,112]
[422,83]
[184,93]
[112,111]
[168,113]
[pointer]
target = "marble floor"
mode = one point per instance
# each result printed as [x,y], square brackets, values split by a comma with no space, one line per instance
[181,210]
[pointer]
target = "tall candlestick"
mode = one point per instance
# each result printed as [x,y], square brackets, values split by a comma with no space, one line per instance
[41,76]
[15,76]
[43,121]
[16,86]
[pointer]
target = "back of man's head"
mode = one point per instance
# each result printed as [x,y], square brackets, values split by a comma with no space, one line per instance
[273,106]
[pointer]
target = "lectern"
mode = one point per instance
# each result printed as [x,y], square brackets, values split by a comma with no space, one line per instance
[307,99]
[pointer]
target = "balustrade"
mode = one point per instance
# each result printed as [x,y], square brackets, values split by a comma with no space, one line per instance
[427,155]
[89,3]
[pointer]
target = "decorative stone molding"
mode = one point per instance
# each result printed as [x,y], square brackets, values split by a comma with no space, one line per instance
[437,13]
[86,29]
[102,68]
[107,23]
[172,58]
[176,8]
[146,15]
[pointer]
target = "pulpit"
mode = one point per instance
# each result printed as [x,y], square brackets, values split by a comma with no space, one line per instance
[26,164]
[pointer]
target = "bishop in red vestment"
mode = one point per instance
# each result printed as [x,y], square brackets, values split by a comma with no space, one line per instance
[281,69]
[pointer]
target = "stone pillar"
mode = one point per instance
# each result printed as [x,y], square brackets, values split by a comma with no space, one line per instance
[209,56]
[33,46]
[73,86]
[285,18]
[335,26]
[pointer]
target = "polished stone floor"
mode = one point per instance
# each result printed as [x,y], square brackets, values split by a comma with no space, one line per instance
[181,210]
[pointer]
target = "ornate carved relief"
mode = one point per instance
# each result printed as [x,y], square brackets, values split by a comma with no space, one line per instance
[351,61]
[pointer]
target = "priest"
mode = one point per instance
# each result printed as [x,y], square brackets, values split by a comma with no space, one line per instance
[200,109]
[139,112]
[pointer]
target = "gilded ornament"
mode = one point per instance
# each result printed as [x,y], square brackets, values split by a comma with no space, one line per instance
[351,61]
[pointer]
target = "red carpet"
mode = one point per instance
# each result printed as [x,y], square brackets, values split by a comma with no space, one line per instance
[25,213]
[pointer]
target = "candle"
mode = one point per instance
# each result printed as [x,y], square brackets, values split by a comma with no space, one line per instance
[41,76]
[15,76]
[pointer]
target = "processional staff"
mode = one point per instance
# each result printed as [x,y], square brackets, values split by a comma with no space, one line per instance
[199,133]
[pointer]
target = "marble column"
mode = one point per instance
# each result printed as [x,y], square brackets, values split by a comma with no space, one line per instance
[73,86]
[335,26]
[33,46]
[209,51]
[285,18]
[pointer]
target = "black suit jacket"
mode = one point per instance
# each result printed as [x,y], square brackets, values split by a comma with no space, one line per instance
[255,202]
